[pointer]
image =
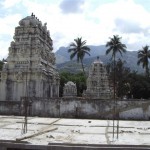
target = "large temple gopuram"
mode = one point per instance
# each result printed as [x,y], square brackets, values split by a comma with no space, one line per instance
[30,69]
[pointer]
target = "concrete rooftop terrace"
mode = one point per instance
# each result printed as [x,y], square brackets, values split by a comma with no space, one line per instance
[46,131]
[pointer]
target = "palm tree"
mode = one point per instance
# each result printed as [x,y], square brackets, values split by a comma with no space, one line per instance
[78,48]
[143,58]
[115,46]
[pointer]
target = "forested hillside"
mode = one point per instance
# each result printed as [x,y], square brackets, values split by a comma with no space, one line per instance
[64,64]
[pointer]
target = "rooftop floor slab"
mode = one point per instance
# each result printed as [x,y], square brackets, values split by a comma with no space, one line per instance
[45,131]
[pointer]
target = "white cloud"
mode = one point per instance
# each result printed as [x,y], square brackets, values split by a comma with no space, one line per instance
[125,10]
[6,32]
[10,3]
[71,6]
[3,49]
[95,23]
[9,23]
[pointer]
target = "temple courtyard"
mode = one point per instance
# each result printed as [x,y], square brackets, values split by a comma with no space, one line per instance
[47,131]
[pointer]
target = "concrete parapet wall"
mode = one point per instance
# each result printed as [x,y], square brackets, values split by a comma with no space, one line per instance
[79,108]
[10,107]
[67,146]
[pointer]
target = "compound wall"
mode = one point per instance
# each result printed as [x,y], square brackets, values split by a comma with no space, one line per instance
[79,108]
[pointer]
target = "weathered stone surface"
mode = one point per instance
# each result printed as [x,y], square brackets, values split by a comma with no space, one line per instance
[30,69]
[79,108]
[97,82]
[70,89]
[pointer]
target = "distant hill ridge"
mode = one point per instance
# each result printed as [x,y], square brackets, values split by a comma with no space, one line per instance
[63,59]
[62,54]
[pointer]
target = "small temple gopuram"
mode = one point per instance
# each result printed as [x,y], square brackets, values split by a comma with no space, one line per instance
[30,69]
[97,82]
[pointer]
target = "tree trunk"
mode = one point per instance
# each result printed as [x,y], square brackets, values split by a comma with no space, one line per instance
[147,71]
[114,78]
[82,66]
[114,101]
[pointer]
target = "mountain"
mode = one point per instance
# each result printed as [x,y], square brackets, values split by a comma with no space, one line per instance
[62,54]
[64,64]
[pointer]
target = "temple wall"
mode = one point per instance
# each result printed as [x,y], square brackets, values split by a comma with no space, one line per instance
[14,90]
[2,90]
[79,108]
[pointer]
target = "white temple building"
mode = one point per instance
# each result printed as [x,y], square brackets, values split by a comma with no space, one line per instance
[30,69]
[97,82]
[70,89]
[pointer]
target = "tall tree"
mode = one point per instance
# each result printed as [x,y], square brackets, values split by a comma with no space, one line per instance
[122,73]
[115,46]
[1,65]
[78,48]
[143,58]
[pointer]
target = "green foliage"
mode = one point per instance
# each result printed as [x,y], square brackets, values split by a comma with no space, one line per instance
[78,48]
[143,58]
[115,46]
[121,76]
[129,83]
[1,65]
[78,78]
[139,85]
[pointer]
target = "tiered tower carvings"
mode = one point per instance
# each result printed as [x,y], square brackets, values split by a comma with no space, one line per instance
[97,82]
[30,69]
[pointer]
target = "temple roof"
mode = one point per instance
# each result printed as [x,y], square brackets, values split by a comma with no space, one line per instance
[70,83]
[98,61]
[30,21]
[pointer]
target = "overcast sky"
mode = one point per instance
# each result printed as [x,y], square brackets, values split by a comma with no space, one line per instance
[94,20]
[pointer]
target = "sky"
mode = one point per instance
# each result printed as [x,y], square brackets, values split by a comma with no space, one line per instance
[93,20]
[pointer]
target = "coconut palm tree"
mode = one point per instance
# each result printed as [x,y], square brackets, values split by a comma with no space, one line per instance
[143,58]
[115,46]
[78,48]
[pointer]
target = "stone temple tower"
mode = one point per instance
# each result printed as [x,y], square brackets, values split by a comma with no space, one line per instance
[97,82]
[30,69]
